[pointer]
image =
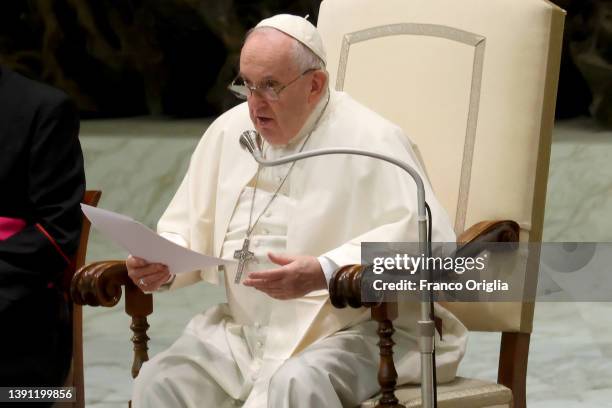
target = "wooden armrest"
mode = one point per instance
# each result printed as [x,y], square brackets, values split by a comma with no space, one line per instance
[491,231]
[475,239]
[345,287]
[99,284]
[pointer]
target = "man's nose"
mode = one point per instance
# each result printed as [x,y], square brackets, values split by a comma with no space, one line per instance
[256,100]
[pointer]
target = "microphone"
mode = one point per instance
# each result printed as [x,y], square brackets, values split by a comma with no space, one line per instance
[426,326]
[248,143]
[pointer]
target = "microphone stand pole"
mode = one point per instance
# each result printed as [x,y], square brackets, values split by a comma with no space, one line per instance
[425,326]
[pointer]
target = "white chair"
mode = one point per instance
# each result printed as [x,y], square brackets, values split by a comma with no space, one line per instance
[473,83]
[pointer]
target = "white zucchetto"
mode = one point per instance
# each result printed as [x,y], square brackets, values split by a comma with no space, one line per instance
[298,28]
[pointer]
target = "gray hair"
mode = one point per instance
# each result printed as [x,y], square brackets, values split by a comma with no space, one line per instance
[303,56]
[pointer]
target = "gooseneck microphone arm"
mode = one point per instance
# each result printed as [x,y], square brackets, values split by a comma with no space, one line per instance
[247,142]
[426,326]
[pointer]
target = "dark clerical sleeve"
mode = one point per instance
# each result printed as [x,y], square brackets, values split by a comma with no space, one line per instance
[41,182]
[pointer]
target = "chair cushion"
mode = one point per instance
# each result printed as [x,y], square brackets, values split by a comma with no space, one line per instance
[460,393]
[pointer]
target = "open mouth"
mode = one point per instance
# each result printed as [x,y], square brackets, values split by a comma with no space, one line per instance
[262,120]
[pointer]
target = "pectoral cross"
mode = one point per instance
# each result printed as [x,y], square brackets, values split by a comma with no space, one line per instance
[243,256]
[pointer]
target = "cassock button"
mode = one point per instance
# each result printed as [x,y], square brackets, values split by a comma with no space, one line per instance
[257,325]
[265,231]
[259,344]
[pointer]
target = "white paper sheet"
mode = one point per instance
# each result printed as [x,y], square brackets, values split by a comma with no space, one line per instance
[144,243]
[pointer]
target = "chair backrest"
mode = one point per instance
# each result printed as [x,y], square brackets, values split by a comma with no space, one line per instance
[473,84]
[76,375]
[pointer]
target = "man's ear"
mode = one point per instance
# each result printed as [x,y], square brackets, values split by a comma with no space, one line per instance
[318,84]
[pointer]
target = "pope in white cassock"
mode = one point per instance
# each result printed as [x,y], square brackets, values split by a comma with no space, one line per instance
[278,342]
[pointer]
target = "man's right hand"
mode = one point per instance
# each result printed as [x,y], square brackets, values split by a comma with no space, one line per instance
[147,276]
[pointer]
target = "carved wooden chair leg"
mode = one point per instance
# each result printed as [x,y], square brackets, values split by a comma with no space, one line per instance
[345,290]
[138,305]
[384,314]
[100,284]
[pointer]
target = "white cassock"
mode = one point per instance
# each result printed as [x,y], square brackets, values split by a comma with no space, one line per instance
[253,350]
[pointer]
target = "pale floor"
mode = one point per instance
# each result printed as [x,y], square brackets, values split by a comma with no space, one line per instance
[139,162]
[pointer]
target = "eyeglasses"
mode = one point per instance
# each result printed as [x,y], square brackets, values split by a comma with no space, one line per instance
[268,90]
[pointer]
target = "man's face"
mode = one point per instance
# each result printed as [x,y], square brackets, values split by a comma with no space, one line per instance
[267,58]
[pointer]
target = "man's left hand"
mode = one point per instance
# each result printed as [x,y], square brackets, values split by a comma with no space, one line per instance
[297,276]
